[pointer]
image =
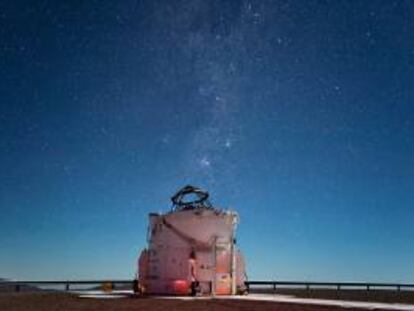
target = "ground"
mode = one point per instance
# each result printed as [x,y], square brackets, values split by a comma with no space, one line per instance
[59,302]
[373,295]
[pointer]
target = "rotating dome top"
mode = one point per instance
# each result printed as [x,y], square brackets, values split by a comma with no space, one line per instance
[190,197]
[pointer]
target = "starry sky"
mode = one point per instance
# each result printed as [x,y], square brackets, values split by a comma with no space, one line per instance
[298,114]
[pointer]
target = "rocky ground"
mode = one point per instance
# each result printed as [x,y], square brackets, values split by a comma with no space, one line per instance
[41,300]
[59,301]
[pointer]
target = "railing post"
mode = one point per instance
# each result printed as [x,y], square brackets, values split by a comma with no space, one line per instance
[274,287]
[338,290]
[367,287]
[67,286]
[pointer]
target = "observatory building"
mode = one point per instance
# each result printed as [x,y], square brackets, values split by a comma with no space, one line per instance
[191,249]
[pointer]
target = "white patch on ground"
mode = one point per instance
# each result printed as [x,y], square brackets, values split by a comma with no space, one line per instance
[99,294]
[108,296]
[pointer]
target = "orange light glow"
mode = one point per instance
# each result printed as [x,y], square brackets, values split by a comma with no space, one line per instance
[181,287]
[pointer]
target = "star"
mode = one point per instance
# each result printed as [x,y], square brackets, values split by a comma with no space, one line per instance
[205,162]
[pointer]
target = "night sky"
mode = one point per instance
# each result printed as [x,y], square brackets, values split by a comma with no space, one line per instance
[298,114]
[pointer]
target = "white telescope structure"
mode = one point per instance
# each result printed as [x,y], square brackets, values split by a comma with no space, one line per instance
[192,250]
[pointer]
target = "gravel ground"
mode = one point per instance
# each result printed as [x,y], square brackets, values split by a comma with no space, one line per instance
[60,301]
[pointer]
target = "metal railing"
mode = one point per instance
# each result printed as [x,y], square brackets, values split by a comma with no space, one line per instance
[331,285]
[273,285]
[67,285]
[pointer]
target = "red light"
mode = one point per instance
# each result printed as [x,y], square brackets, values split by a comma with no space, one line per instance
[181,287]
